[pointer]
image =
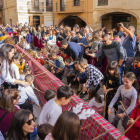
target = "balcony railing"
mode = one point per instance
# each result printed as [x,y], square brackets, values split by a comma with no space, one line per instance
[102,2]
[35,7]
[49,6]
[72,6]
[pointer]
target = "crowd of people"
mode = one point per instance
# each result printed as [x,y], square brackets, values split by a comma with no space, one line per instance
[66,53]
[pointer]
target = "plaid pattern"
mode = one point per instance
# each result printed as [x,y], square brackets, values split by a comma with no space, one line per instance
[88,132]
[93,75]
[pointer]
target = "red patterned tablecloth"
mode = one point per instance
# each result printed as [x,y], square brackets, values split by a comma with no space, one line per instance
[93,126]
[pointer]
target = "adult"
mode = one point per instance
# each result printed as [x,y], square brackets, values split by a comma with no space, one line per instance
[7,108]
[72,49]
[123,37]
[68,33]
[22,124]
[113,51]
[6,54]
[69,124]
[81,39]
[129,44]
[28,37]
[8,28]
[94,76]
[74,37]
[120,33]
[137,47]
[51,40]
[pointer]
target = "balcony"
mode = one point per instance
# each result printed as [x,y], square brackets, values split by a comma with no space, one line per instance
[49,6]
[70,7]
[34,8]
[102,2]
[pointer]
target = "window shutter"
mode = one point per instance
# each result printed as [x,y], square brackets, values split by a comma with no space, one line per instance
[41,20]
[31,20]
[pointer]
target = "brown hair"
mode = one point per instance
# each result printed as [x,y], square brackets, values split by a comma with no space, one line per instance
[93,93]
[66,127]
[131,76]
[7,98]
[112,65]
[5,33]
[9,40]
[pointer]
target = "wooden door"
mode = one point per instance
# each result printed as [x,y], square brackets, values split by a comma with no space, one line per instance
[41,20]
[31,20]
[106,23]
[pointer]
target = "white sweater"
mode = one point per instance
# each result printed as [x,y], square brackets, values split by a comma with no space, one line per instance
[50,113]
[5,75]
[92,102]
[15,71]
[26,92]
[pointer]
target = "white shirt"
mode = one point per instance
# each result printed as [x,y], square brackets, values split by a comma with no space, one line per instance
[26,92]
[5,75]
[92,102]
[50,113]
[22,77]
[15,71]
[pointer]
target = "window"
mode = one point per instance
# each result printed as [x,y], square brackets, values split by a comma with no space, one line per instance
[48,5]
[102,2]
[35,4]
[76,2]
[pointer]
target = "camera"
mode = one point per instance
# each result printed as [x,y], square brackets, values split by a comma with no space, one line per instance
[118,24]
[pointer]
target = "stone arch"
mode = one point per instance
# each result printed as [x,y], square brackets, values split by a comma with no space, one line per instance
[68,15]
[118,10]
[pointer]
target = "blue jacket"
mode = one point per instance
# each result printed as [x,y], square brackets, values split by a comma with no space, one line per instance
[28,38]
[9,30]
[74,50]
[82,77]
[83,41]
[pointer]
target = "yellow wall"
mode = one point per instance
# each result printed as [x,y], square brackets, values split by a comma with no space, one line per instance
[87,15]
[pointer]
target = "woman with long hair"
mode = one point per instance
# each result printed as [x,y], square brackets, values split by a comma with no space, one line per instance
[22,124]
[7,107]
[6,54]
[67,127]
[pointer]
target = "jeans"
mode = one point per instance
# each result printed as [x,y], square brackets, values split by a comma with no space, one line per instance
[33,134]
[121,72]
[116,119]
[27,105]
[128,63]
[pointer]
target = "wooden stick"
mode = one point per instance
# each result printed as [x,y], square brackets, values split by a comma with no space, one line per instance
[104,105]
[40,73]
[86,126]
[80,92]
[100,135]
[25,54]
[129,127]
[37,89]
[124,109]
[121,118]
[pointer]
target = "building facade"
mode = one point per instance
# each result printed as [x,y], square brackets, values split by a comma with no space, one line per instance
[97,13]
[35,12]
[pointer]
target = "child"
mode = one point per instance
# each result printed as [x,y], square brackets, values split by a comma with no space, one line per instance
[43,130]
[21,66]
[67,127]
[62,54]
[58,61]
[134,132]
[52,109]
[69,70]
[96,100]
[49,94]
[81,78]
[111,82]
[14,70]
[26,70]
[129,97]
[26,92]
[24,44]
[136,67]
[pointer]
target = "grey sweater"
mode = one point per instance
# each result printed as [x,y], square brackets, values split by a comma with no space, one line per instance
[128,98]
[113,52]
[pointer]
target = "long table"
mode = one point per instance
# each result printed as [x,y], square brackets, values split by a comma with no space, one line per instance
[93,126]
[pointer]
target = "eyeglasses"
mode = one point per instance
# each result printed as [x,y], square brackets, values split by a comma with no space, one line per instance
[104,41]
[29,122]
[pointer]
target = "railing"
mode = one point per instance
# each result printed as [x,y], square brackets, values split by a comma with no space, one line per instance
[49,6]
[1,4]
[35,7]
[72,6]
[102,2]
